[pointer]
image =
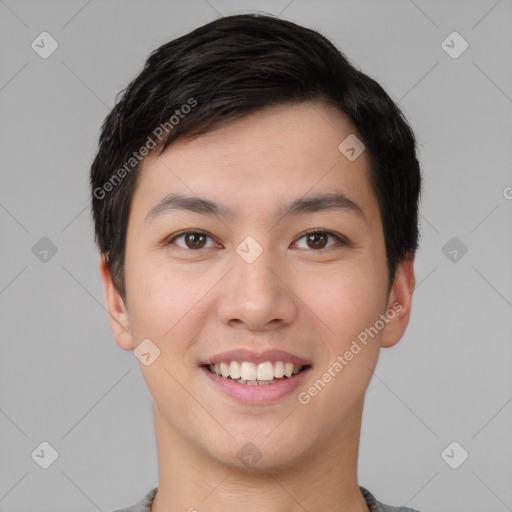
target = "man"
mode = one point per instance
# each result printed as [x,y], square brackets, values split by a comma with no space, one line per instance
[255,200]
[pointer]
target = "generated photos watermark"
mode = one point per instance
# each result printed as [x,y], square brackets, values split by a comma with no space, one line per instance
[137,156]
[342,361]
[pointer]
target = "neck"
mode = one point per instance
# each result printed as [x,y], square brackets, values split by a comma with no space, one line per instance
[324,479]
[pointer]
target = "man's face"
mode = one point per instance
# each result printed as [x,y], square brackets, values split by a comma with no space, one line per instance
[256,281]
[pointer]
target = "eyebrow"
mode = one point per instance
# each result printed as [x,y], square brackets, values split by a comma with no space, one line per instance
[329,201]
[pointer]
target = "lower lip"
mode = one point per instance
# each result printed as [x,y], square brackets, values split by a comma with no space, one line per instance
[257,394]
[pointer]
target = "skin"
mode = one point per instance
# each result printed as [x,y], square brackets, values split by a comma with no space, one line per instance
[312,302]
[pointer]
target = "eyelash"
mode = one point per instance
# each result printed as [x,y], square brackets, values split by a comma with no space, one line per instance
[339,238]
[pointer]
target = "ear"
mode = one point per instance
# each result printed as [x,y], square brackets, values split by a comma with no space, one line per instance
[117,312]
[399,302]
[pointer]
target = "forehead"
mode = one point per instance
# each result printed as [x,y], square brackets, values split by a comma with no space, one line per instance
[262,161]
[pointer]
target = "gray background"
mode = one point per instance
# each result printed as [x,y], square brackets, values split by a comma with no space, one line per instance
[63,379]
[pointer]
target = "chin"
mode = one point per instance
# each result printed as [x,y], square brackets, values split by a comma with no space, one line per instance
[259,452]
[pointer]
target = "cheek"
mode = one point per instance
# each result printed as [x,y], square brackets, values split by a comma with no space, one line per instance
[346,300]
[154,297]
[348,303]
[166,304]
[160,303]
[165,309]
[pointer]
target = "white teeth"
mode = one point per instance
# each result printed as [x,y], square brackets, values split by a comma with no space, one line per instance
[224,369]
[279,370]
[265,371]
[234,370]
[249,373]
[256,382]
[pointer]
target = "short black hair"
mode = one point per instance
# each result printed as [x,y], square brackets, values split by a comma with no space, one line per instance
[231,67]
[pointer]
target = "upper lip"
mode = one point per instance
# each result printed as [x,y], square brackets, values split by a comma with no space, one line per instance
[256,357]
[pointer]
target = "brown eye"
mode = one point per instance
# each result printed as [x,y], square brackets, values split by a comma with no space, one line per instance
[192,239]
[318,239]
[195,240]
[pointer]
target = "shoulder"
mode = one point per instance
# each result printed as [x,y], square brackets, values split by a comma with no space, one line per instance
[144,505]
[376,506]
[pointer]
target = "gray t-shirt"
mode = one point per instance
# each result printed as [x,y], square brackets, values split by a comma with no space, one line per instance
[144,505]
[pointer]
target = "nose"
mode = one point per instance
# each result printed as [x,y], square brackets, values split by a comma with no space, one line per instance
[257,296]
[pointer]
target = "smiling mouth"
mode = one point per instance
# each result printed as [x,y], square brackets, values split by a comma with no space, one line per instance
[251,374]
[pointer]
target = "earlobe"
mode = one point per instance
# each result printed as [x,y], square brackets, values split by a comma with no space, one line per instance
[399,303]
[117,312]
